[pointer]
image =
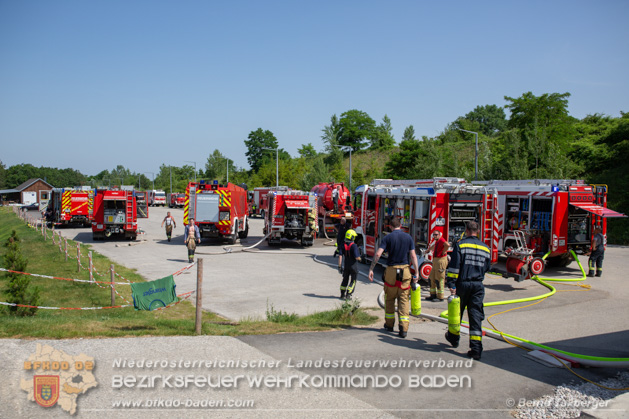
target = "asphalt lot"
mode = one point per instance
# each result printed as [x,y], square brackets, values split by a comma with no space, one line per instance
[590,321]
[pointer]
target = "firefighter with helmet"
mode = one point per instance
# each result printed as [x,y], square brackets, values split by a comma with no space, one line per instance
[470,260]
[352,256]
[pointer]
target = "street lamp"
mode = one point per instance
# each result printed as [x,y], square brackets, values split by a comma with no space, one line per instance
[277,164]
[151,173]
[195,169]
[475,153]
[346,147]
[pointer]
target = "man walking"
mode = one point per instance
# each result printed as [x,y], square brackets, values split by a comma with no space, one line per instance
[439,264]
[470,260]
[350,270]
[397,275]
[170,223]
[192,236]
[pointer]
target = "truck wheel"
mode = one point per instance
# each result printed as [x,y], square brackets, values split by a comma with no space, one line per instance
[560,261]
[245,233]
[262,214]
[234,237]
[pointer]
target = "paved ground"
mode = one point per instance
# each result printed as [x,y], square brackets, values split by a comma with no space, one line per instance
[242,285]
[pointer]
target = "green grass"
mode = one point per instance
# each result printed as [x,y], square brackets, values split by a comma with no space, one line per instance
[45,258]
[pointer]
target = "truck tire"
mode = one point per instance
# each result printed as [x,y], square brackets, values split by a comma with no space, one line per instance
[560,261]
[234,237]
[243,234]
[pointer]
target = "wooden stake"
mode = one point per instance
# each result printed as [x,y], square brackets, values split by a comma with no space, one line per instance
[113,290]
[90,267]
[78,257]
[198,320]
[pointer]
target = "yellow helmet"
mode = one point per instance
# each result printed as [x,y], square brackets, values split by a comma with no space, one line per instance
[350,235]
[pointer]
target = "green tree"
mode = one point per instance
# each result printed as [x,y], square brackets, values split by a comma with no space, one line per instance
[491,119]
[356,128]
[307,151]
[257,143]
[216,167]
[3,175]
[18,289]
[409,133]
[382,137]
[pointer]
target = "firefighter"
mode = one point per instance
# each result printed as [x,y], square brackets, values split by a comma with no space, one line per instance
[170,224]
[397,275]
[192,237]
[350,270]
[470,260]
[439,264]
[341,229]
[597,253]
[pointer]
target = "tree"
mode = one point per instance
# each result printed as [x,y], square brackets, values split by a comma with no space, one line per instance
[18,289]
[409,133]
[491,119]
[356,128]
[331,133]
[257,142]
[216,167]
[3,175]
[307,151]
[382,137]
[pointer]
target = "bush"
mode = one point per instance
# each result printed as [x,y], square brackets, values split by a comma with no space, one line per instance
[19,290]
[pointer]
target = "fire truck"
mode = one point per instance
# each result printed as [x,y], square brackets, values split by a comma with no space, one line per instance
[220,211]
[287,216]
[260,200]
[115,214]
[549,217]
[330,212]
[424,206]
[157,198]
[176,200]
[70,206]
[142,205]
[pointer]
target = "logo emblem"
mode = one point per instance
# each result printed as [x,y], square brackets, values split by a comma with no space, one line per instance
[46,389]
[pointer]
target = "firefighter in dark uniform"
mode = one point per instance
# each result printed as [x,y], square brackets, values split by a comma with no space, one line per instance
[597,254]
[469,262]
[397,276]
[350,270]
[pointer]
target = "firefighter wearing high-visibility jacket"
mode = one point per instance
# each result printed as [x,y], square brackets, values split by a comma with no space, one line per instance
[470,260]
[351,255]
[397,276]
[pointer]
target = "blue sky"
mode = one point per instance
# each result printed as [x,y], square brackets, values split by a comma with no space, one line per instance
[94,84]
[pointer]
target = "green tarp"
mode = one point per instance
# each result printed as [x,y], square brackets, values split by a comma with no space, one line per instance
[153,294]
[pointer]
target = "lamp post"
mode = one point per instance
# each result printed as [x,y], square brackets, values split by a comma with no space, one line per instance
[475,153]
[346,147]
[195,169]
[151,173]
[277,164]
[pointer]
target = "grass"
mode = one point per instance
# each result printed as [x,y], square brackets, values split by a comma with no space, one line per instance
[45,258]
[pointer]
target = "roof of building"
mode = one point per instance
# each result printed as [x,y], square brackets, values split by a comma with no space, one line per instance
[29,183]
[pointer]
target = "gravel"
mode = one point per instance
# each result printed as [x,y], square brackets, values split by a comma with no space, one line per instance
[568,401]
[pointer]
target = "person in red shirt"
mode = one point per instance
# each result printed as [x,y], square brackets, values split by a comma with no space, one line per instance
[439,265]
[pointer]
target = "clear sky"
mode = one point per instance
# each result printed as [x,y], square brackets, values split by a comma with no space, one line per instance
[94,84]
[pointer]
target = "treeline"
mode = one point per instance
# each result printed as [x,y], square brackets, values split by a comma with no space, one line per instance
[538,139]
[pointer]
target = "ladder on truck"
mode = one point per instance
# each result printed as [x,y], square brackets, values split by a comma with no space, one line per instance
[129,211]
[489,222]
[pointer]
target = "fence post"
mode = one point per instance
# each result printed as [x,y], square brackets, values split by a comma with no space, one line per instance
[90,267]
[78,257]
[113,290]
[65,243]
[198,320]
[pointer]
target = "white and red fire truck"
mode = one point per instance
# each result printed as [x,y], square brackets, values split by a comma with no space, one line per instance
[424,206]
[287,216]
[552,217]
[220,211]
[157,198]
[70,206]
[141,204]
[329,210]
[115,214]
[176,200]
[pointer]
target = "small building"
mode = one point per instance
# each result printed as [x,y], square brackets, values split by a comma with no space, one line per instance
[29,192]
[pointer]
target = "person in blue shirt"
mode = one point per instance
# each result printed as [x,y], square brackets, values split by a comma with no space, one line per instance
[397,275]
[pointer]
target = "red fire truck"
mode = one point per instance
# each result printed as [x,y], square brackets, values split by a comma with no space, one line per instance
[176,200]
[70,206]
[331,205]
[260,200]
[115,214]
[220,211]
[550,216]
[424,206]
[287,217]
